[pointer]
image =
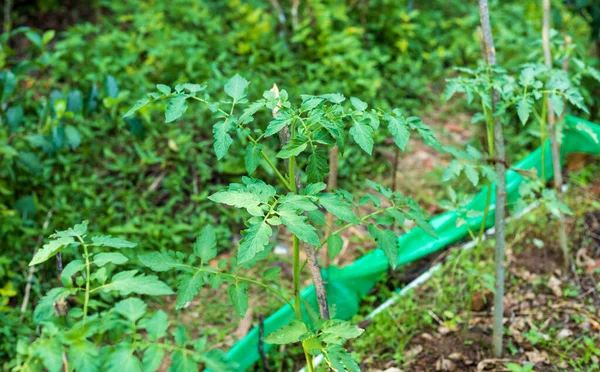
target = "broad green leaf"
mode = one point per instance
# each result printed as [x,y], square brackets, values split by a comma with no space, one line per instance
[314,188]
[45,307]
[298,225]
[83,356]
[216,360]
[138,105]
[338,207]
[339,360]
[222,139]
[317,167]
[283,119]
[240,199]
[251,110]
[157,325]
[388,243]
[74,101]
[193,88]
[124,359]
[333,97]
[71,269]
[420,220]
[363,135]
[188,288]
[111,87]
[452,170]
[9,82]
[126,282]
[205,246]
[182,362]
[164,89]
[49,351]
[176,107]
[524,107]
[339,331]
[236,87]
[252,157]
[558,105]
[313,345]
[358,104]
[289,334]
[160,261]
[292,148]
[471,174]
[239,297]
[335,244]
[399,130]
[103,258]
[131,308]
[298,202]
[77,230]
[255,239]
[153,357]
[109,241]
[50,249]
[271,273]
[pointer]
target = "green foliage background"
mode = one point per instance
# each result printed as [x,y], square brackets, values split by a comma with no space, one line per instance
[66,153]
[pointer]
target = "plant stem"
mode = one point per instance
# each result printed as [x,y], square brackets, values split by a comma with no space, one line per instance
[87,277]
[554,144]
[490,53]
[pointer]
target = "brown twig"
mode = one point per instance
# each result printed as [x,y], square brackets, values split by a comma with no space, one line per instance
[261,346]
[32,268]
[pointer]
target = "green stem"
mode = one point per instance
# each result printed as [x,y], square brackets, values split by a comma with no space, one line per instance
[87,277]
[309,363]
[542,121]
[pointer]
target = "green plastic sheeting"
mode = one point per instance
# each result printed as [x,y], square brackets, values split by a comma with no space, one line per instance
[347,286]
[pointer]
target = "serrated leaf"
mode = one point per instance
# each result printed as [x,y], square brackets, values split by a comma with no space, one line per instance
[222,139]
[131,308]
[558,105]
[240,199]
[205,246]
[83,356]
[71,269]
[138,105]
[339,331]
[283,119]
[317,167]
[49,351]
[335,243]
[339,360]
[271,273]
[388,242]
[156,326]
[363,135]
[239,297]
[420,220]
[45,307]
[164,89]
[338,207]
[126,282]
[289,334]
[188,289]
[297,202]
[109,241]
[471,174]
[153,357]
[50,249]
[252,157]
[524,107]
[299,226]
[72,136]
[236,87]
[159,261]
[399,130]
[124,359]
[292,148]
[103,258]
[452,170]
[255,239]
[176,107]
[358,104]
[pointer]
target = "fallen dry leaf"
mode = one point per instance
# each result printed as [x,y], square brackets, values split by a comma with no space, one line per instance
[554,284]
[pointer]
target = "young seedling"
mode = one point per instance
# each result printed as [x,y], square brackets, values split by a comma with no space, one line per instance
[82,330]
[310,130]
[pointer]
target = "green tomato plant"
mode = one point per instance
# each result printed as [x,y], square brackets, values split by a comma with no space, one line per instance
[306,131]
[82,330]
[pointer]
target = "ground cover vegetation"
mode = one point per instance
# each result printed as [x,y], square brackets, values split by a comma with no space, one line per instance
[205,183]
